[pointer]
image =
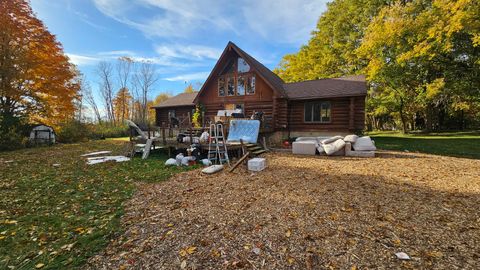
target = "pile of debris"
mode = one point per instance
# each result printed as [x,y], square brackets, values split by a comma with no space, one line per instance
[97,157]
[350,145]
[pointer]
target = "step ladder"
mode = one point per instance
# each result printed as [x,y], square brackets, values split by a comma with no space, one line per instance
[217,149]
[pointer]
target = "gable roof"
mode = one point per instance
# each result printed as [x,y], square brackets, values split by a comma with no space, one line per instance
[183,99]
[327,88]
[272,79]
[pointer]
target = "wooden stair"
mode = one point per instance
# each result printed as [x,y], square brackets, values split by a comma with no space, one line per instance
[255,149]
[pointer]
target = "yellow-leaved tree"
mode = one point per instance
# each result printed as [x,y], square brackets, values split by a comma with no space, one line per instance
[37,81]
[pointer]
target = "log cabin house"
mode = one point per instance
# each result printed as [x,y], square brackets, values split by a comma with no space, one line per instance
[239,81]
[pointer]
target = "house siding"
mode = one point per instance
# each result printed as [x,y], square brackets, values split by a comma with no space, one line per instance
[340,115]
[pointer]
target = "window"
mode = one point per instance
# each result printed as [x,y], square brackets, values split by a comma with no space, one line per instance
[250,85]
[221,87]
[319,112]
[229,67]
[240,107]
[241,86]
[171,113]
[242,66]
[231,86]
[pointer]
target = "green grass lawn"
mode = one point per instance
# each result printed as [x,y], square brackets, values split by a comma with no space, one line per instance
[56,217]
[457,144]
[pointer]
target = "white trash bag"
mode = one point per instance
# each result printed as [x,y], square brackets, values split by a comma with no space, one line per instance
[171,162]
[206,162]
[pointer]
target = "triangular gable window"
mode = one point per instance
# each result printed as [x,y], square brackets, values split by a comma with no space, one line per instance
[229,67]
[243,66]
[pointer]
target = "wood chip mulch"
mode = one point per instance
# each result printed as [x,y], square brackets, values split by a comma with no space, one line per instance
[307,213]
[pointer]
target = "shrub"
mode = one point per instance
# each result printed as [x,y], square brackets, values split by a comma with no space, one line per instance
[104,130]
[13,132]
[72,132]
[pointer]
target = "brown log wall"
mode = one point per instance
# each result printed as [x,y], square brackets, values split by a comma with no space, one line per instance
[161,114]
[341,114]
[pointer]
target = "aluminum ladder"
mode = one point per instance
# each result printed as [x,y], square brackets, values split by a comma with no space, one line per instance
[217,149]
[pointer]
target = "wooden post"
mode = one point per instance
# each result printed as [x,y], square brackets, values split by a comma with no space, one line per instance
[164,140]
[191,134]
[351,122]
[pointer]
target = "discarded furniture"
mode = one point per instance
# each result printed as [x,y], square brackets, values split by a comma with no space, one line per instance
[246,130]
[350,145]
[350,153]
[304,148]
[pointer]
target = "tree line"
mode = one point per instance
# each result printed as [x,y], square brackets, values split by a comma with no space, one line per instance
[421,58]
[124,89]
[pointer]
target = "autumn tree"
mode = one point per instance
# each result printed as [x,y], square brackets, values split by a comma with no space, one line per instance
[121,104]
[431,69]
[189,89]
[331,51]
[37,81]
[421,58]
[161,98]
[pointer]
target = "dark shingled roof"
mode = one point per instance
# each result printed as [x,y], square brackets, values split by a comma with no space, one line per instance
[327,88]
[183,99]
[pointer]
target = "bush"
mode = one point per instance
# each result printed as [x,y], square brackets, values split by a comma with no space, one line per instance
[72,132]
[102,131]
[75,131]
[13,132]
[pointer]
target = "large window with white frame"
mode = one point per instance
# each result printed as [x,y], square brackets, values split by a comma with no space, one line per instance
[317,112]
[241,86]
[230,86]
[250,87]
[221,87]
[239,83]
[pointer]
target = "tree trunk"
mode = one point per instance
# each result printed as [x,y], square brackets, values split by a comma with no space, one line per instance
[402,117]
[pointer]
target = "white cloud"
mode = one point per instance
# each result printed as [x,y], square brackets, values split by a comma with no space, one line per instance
[198,76]
[279,21]
[82,60]
[188,52]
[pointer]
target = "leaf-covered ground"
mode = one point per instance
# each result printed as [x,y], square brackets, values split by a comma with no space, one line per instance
[55,217]
[307,213]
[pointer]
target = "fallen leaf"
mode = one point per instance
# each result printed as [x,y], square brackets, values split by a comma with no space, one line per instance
[10,221]
[39,265]
[215,253]
[288,233]
[187,251]
[183,265]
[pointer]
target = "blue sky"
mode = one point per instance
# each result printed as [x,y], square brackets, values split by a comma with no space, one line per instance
[182,37]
